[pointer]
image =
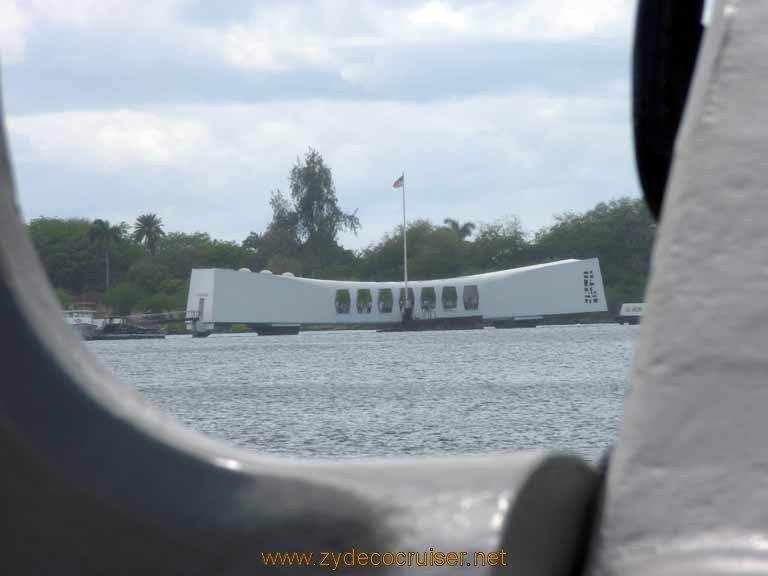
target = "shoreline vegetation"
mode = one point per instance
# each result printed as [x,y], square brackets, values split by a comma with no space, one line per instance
[125,269]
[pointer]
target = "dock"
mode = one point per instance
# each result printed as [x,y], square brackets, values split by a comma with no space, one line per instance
[127,336]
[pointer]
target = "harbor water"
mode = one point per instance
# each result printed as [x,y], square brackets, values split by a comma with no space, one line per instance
[347,394]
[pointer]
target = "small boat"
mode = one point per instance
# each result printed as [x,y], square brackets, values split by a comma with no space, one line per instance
[631,313]
[81,318]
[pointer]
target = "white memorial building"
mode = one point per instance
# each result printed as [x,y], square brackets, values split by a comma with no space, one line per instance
[220,297]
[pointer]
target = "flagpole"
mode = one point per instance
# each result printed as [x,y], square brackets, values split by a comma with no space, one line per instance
[405,253]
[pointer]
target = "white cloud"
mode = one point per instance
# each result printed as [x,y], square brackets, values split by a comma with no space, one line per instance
[13,30]
[179,136]
[19,19]
[319,33]
[437,15]
[269,43]
[325,33]
[110,140]
[525,20]
[559,20]
[477,157]
[211,167]
[88,14]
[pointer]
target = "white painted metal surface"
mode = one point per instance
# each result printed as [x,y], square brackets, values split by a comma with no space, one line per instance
[634,309]
[229,296]
[687,490]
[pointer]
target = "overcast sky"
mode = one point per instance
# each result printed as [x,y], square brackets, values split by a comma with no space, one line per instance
[196,110]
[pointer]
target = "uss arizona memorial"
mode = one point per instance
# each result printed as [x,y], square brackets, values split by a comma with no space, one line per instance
[269,302]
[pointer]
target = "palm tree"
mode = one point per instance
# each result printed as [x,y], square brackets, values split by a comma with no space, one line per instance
[148,230]
[463,231]
[105,237]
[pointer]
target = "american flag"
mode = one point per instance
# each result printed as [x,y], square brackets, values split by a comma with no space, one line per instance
[399,182]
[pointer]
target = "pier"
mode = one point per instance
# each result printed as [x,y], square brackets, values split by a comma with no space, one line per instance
[91,325]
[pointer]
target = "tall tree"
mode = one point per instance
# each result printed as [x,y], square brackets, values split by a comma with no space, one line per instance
[463,231]
[501,244]
[106,237]
[69,257]
[278,248]
[319,218]
[148,230]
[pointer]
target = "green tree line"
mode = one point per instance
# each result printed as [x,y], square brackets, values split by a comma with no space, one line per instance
[143,268]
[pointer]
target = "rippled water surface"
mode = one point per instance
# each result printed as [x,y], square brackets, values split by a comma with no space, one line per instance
[351,394]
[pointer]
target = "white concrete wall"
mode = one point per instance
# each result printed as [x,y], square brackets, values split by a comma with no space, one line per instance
[201,286]
[250,297]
